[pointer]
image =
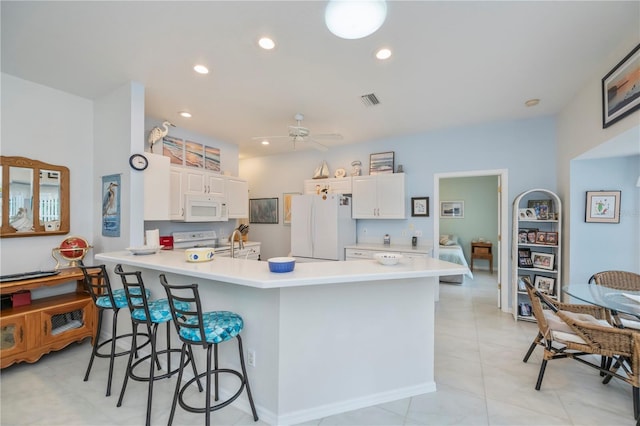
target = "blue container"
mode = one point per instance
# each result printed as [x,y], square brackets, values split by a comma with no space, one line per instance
[281,264]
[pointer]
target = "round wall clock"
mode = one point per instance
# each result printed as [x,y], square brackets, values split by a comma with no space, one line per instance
[138,162]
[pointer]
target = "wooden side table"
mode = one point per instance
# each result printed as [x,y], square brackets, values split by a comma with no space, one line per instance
[482,251]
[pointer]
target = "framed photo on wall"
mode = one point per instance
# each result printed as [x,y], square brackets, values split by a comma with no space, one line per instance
[452,209]
[620,94]
[420,206]
[263,210]
[603,207]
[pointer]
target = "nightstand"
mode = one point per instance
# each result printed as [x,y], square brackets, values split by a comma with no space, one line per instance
[482,251]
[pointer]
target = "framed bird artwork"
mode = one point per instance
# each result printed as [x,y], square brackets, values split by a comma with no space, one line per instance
[111,206]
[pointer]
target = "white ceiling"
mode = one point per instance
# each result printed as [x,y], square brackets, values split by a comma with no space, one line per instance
[453,63]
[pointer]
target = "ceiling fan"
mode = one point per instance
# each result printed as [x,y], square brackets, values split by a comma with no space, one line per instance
[302,135]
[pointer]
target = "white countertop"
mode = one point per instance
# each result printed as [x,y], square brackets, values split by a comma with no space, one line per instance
[422,249]
[254,273]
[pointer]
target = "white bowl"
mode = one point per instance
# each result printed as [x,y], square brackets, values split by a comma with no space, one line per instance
[282,264]
[387,258]
[199,254]
[144,250]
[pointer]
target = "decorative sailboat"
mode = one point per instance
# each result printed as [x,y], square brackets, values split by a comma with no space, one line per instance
[322,172]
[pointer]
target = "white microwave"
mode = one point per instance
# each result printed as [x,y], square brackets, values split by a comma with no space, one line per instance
[204,208]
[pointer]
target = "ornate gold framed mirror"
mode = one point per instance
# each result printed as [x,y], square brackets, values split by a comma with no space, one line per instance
[35,198]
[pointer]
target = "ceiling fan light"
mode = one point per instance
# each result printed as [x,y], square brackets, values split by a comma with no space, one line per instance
[350,19]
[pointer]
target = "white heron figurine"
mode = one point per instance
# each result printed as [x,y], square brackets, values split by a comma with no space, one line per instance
[157,133]
[109,201]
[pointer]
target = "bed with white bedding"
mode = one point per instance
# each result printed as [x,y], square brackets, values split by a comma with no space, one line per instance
[452,252]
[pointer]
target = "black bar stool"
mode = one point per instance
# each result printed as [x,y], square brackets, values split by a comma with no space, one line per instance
[149,313]
[216,327]
[96,281]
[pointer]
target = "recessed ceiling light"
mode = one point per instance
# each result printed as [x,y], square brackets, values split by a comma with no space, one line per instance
[532,102]
[265,142]
[185,114]
[201,69]
[266,43]
[355,19]
[383,54]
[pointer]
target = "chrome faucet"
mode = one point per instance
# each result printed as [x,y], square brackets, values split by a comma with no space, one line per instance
[233,240]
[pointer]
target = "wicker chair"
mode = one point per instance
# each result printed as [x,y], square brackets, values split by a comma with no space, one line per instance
[579,334]
[620,280]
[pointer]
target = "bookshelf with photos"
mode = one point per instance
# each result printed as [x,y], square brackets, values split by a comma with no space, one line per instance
[535,249]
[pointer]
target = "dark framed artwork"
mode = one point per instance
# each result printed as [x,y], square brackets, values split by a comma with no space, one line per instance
[420,206]
[263,210]
[621,89]
[603,207]
[382,162]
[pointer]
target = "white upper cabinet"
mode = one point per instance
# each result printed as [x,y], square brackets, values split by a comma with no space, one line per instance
[237,198]
[156,180]
[379,196]
[176,194]
[202,182]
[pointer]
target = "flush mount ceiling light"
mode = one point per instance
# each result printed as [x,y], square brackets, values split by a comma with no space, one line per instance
[201,69]
[383,54]
[351,19]
[265,142]
[266,43]
[185,114]
[532,102]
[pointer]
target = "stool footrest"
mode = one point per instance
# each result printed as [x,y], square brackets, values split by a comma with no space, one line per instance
[215,407]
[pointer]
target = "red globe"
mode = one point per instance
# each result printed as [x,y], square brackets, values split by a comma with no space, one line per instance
[73,248]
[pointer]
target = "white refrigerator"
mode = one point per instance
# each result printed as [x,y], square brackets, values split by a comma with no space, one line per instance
[321,226]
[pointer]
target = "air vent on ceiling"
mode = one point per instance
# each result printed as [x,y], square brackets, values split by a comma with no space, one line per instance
[370,100]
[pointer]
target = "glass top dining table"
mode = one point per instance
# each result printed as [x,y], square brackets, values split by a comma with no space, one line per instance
[622,301]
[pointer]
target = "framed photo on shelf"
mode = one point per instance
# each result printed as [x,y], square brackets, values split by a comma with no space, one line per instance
[523,280]
[603,207]
[382,162]
[524,309]
[552,238]
[542,260]
[541,237]
[522,236]
[263,210]
[524,258]
[619,99]
[542,208]
[452,209]
[420,206]
[544,284]
[532,234]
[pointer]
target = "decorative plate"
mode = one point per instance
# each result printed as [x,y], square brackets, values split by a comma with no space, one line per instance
[340,173]
[144,250]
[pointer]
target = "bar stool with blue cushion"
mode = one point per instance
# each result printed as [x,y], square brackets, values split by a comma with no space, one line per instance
[96,281]
[216,327]
[149,313]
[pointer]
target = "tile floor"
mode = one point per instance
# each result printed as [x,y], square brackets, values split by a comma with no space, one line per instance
[480,376]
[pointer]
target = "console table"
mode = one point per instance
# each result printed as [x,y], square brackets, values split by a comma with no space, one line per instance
[47,324]
[482,251]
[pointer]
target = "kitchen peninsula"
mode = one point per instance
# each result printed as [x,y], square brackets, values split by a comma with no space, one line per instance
[328,337]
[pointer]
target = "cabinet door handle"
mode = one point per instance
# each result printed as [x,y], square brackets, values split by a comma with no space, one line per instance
[21,334]
[45,328]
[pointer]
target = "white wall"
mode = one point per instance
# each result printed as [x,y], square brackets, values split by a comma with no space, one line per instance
[605,246]
[525,147]
[580,130]
[55,127]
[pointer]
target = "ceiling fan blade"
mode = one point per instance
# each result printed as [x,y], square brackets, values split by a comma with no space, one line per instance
[328,136]
[269,137]
[317,145]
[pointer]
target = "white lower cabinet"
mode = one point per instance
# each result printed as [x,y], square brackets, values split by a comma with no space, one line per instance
[379,196]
